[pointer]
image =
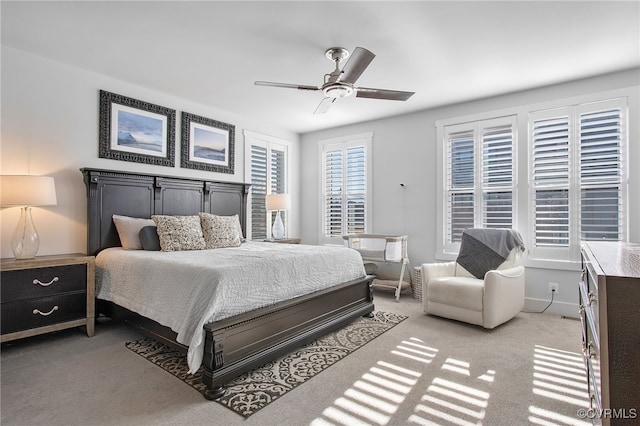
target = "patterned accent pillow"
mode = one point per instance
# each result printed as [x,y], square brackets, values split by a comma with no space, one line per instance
[220,231]
[179,232]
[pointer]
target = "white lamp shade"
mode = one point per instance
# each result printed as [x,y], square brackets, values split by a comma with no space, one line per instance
[23,190]
[277,202]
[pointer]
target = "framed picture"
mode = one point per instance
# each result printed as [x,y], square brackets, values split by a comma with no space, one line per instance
[133,130]
[207,144]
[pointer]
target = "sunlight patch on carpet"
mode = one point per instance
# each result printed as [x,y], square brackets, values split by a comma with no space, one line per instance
[376,396]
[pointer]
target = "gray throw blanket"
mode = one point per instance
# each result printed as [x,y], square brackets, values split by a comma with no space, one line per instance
[484,249]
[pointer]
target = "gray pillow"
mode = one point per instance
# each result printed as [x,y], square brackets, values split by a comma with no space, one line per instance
[149,238]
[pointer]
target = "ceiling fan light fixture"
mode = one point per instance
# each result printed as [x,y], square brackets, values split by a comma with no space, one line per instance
[337,90]
[340,83]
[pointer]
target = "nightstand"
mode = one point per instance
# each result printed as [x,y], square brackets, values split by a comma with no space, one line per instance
[45,294]
[284,241]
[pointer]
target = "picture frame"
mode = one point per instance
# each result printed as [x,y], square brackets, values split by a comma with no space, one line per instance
[137,131]
[207,144]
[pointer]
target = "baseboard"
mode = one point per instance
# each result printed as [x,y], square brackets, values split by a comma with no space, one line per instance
[559,308]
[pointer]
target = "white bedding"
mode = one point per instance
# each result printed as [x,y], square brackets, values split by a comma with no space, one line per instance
[184,290]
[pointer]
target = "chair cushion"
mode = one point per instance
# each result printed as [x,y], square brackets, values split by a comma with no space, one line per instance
[462,292]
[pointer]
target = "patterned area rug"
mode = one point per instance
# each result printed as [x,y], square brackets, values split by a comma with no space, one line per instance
[252,391]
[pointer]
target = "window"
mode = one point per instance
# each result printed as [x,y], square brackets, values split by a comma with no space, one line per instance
[345,187]
[577,190]
[268,173]
[572,170]
[479,170]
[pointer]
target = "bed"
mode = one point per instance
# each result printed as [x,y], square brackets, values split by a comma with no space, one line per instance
[234,344]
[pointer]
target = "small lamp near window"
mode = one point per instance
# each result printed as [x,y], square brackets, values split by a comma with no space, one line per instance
[26,191]
[277,202]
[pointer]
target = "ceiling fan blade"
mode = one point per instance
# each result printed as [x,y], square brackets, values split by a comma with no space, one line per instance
[356,64]
[324,105]
[392,95]
[286,85]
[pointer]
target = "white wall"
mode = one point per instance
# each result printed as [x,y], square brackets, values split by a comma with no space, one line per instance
[404,151]
[50,127]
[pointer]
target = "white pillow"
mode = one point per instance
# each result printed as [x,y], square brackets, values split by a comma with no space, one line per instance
[129,230]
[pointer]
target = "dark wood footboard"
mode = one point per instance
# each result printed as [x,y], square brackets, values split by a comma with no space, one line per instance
[241,343]
[247,341]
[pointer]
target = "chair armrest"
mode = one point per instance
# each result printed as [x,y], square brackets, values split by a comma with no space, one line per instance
[499,282]
[514,272]
[503,295]
[433,270]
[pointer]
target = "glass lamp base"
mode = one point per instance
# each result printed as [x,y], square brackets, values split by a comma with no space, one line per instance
[25,240]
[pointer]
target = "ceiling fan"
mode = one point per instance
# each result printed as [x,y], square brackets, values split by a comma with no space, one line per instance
[340,82]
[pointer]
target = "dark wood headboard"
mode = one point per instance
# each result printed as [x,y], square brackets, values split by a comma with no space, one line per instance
[112,192]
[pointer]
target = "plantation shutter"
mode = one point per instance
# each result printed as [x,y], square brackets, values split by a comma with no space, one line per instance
[461,183]
[333,193]
[346,189]
[278,180]
[550,141]
[356,185]
[600,174]
[577,178]
[497,176]
[268,174]
[479,174]
[258,192]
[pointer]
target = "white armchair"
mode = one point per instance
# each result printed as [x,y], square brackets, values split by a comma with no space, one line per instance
[451,291]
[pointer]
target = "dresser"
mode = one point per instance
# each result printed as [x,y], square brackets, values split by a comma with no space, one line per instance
[609,292]
[45,294]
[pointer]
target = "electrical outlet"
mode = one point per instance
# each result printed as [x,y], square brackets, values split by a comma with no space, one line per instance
[553,288]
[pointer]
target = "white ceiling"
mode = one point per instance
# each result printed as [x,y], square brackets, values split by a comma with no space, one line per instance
[211,52]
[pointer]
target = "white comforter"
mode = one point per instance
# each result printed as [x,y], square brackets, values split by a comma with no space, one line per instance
[184,290]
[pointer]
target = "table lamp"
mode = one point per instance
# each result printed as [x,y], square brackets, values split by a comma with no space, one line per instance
[26,191]
[277,202]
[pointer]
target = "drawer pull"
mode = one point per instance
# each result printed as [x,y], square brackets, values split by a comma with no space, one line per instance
[38,312]
[38,282]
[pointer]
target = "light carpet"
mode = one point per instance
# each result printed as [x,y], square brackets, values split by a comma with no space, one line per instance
[252,391]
